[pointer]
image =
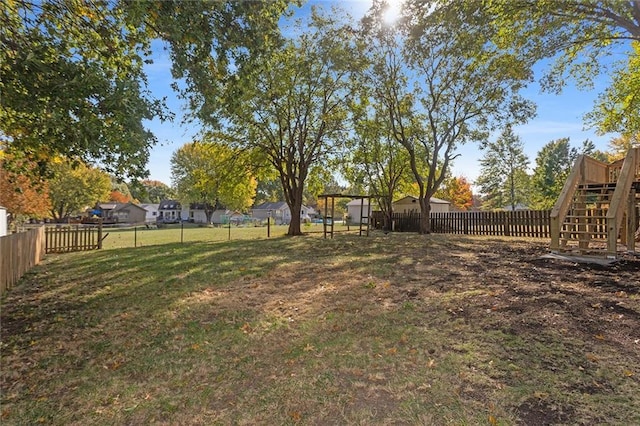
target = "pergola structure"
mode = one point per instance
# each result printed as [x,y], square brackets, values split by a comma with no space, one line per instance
[333,197]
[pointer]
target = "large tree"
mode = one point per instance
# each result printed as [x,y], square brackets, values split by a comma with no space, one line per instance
[620,146]
[213,174]
[459,94]
[553,165]
[503,172]
[75,186]
[295,109]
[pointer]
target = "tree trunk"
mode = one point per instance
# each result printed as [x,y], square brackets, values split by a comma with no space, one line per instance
[208,213]
[294,225]
[425,212]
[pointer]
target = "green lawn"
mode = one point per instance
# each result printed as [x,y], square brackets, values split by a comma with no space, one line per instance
[387,329]
[188,233]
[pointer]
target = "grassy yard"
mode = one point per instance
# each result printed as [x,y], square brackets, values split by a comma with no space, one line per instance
[189,233]
[389,329]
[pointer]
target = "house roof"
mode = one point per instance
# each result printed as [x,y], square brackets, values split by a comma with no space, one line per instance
[278,205]
[120,206]
[169,205]
[107,206]
[433,200]
[148,206]
[358,202]
[201,206]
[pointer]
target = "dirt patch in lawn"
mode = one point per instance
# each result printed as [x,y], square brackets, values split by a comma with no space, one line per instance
[390,329]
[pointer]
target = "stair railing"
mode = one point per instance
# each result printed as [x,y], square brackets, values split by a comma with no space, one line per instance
[585,170]
[619,200]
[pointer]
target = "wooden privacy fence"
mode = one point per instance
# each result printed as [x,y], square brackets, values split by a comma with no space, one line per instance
[522,223]
[18,253]
[64,239]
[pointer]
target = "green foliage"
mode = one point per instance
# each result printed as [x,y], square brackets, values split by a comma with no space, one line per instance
[375,159]
[503,175]
[151,191]
[619,146]
[74,187]
[214,174]
[462,89]
[553,165]
[72,84]
[617,108]
[213,44]
[294,110]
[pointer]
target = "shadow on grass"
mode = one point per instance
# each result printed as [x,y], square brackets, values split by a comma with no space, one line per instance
[398,328]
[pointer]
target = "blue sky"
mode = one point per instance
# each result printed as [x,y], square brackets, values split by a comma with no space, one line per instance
[558,116]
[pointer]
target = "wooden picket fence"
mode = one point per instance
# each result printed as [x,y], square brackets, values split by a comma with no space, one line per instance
[18,253]
[522,223]
[64,239]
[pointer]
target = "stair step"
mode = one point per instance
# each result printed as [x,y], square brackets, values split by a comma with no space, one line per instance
[590,240]
[597,185]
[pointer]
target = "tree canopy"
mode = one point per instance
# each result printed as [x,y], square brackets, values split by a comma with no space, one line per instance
[23,194]
[452,95]
[72,84]
[503,177]
[75,186]
[72,78]
[214,175]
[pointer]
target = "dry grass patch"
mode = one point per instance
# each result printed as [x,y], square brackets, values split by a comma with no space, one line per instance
[395,329]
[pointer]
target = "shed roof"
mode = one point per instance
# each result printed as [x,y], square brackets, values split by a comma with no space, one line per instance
[433,200]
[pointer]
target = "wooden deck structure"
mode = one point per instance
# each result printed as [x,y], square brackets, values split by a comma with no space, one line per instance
[597,211]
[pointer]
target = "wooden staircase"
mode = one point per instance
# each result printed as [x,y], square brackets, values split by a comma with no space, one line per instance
[596,213]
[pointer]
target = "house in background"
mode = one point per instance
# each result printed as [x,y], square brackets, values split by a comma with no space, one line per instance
[410,204]
[111,213]
[129,213]
[197,212]
[170,211]
[280,212]
[152,212]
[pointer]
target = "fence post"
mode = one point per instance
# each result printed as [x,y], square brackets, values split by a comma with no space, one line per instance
[99,234]
[507,223]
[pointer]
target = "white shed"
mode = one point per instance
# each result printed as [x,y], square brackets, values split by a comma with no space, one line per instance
[409,204]
[358,209]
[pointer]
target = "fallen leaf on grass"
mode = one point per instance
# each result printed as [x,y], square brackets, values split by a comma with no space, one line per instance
[246,328]
[492,420]
[592,357]
[628,373]
[599,336]
[295,416]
